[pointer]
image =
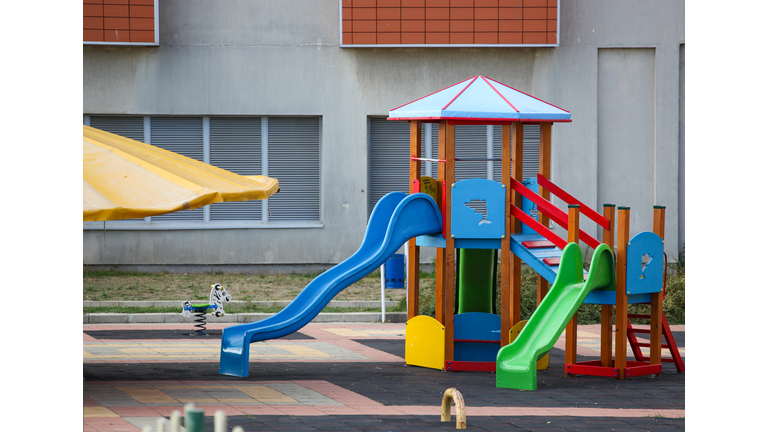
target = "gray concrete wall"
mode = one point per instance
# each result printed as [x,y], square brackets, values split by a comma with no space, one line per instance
[262,58]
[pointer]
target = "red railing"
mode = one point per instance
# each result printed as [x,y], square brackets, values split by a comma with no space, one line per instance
[565,196]
[548,209]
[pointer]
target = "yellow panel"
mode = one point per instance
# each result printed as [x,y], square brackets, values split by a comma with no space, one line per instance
[429,187]
[543,362]
[425,342]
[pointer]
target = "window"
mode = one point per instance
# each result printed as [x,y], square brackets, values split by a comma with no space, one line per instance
[285,148]
[389,145]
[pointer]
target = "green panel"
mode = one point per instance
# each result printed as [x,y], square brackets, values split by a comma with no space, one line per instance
[476,280]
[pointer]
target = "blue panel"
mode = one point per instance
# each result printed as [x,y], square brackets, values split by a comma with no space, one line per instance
[468,222]
[476,326]
[437,241]
[609,297]
[648,279]
[529,207]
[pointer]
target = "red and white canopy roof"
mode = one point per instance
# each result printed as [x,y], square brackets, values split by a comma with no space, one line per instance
[480,99]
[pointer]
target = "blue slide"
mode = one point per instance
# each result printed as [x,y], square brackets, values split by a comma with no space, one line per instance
[396,218]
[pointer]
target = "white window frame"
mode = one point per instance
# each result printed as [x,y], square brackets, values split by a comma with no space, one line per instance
[148,225]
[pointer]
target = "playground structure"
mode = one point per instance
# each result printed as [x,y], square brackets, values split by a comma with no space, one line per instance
[468,336]
[215,306]
[468,222]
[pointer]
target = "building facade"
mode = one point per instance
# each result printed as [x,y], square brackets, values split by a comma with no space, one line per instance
[299,90]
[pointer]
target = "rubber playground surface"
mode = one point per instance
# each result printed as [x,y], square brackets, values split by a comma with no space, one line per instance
[352,377]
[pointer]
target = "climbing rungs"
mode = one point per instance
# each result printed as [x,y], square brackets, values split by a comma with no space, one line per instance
[641,316]
[647,345]
[538,244]
[552,261]
[645,331]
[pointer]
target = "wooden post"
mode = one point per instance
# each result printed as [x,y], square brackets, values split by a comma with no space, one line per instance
[450,251]
[506,152]
[440,252]
[545,152]
[606,310]
[571,330]
[622,237]
[413,250]
[516,225]
[657,299]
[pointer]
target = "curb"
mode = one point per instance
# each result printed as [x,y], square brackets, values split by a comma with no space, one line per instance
[177,303]
[175,318]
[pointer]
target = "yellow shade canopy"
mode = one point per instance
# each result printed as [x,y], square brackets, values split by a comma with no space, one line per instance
[127,179]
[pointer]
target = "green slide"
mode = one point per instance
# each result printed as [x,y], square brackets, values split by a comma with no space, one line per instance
[475,280]
[516,362]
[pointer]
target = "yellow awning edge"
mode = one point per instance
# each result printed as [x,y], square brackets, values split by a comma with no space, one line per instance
[128,179]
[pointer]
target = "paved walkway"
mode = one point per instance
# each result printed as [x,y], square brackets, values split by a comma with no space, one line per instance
[350,377]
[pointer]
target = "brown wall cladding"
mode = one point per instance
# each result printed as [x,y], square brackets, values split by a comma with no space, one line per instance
[131,21]
[443,22]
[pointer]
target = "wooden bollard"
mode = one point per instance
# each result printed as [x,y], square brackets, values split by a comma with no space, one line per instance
[461,411]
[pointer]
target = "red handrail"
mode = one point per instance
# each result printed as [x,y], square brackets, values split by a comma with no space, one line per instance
[565,196]
[538,227]
[554,213]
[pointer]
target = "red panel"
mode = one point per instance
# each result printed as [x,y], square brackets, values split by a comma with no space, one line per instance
[530,25]
[486,38]
[91,10]
[143,24]
[438,13]
[552,261]
[116,23]
[413,38]
[143,11]
[462,26]
[142,36]
[413,26]
[413,13]
[511,38]
[437,26]
[390,26]
[591,369]
[115,10]
[486,13]
[364,38]
[538,244]
[388,13]
[117,35]
[93,23]
[93,35]
[462,38]
[470,366]
[535,13]
[364,13]
[388,38]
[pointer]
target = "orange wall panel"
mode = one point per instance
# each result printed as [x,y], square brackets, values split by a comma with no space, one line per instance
[120,21]
[444,22]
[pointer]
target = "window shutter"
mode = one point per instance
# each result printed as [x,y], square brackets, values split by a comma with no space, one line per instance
[294,160]
[530,151]
[471,143]
[235,145]
[389,157]
[128,126]
[182,135]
